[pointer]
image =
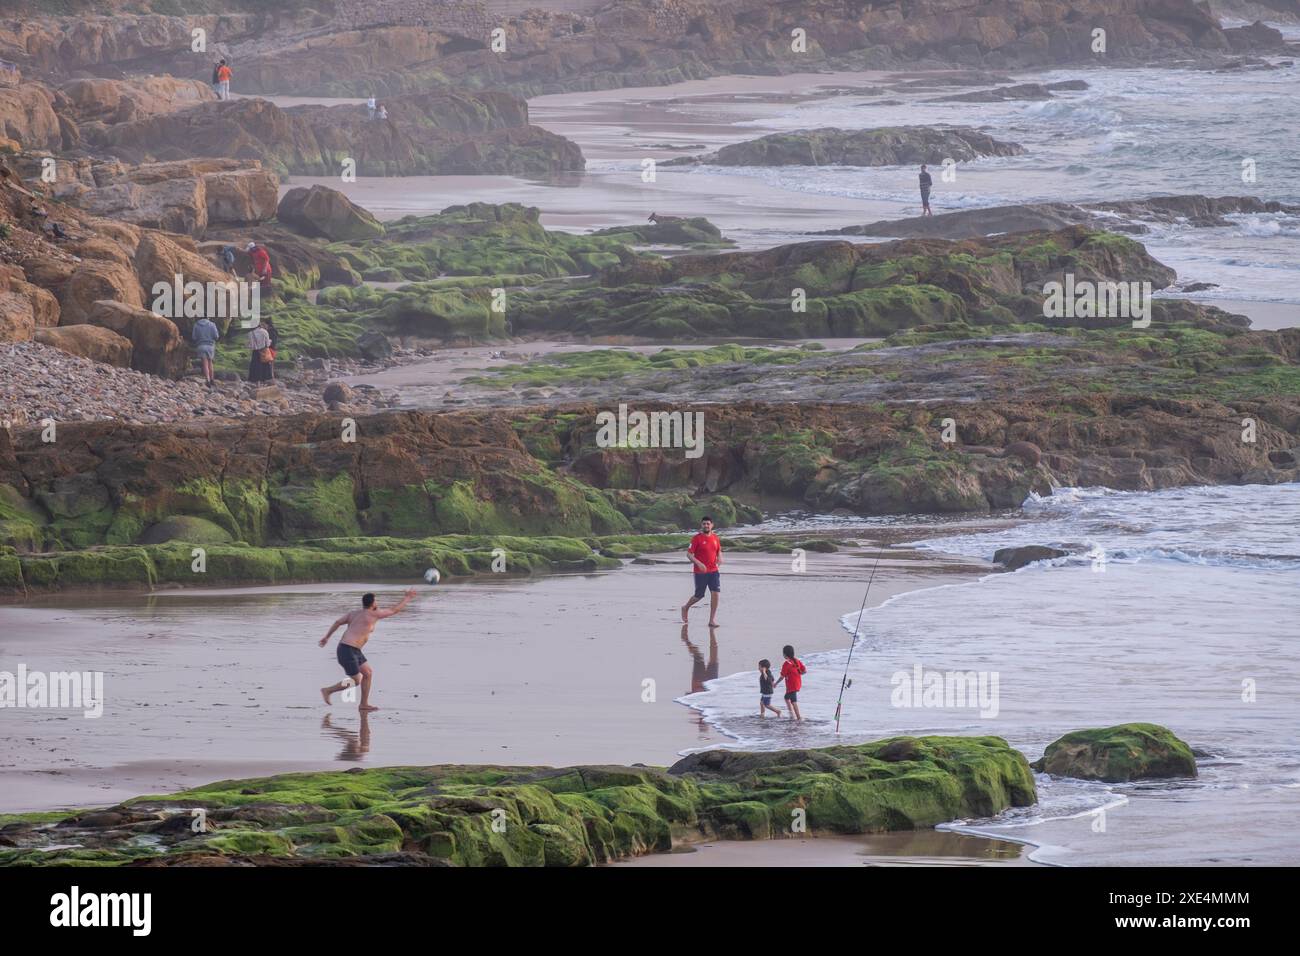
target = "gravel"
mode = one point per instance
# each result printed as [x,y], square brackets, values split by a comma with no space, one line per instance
[39,382]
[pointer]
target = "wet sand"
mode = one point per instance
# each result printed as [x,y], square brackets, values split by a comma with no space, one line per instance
[617,129]
[1263,315]
[213,684]
[914,848]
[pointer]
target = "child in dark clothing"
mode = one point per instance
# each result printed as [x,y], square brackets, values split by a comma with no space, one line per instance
[765,688]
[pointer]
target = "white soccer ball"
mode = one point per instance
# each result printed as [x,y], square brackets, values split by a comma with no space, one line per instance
[432,576]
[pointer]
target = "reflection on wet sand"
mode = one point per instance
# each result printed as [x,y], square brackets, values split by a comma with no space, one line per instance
[700,671]
[356,744]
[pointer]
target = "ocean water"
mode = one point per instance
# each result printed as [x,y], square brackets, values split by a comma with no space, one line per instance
[1134,133]
[1183,609]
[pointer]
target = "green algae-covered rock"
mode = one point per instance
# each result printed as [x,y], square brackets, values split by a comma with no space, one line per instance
[1120,753]
[537,816]
[186,528]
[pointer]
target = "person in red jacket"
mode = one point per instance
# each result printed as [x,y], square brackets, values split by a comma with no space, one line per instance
[792,672]
[705,552]
[261,266]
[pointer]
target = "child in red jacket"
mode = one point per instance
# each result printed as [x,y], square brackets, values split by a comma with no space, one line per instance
[792,672]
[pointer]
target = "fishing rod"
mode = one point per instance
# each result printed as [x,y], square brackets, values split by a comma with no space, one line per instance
[845,683]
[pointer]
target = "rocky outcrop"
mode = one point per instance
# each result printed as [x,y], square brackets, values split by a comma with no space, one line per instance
[285,480]
[24,307]
[159,259]
[427,133]
[1018,92]
[184,196]
[156,343]
[669,231]
[1192,210]
[99,100]
[569,816]
[28,117]
[1013,559]
[371,48]
[90,342]
[321,211]
[888,146]
[839,288]
[1119,754]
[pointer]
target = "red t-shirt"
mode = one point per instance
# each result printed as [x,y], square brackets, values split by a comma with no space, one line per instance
[705,548]
[792,671]
[261,263]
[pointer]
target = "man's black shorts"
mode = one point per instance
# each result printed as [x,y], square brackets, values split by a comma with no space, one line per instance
[350,659]
[708,580]
[792,696]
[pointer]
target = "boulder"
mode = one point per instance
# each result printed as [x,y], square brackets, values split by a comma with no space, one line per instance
[1120,753]
[1025,451]
[187,528]
[1014,559]
[374,346]
[17,321]
[90,342]
[92,281]
[27,116]
[241,196]
[886,146]
[174,205]
[338,392]
[160,260]
[156,343]
[321,211]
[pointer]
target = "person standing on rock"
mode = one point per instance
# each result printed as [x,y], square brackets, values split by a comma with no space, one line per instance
[205,334]
[261,358]
[370,108]
[223,80]
[705,552]
[261,267]
[216,79]
[227,260]
[359,623]
[926,183]
[383,112]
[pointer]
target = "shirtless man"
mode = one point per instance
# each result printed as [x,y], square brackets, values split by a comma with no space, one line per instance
[359,625]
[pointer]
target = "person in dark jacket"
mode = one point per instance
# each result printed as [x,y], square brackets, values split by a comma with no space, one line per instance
[926,183]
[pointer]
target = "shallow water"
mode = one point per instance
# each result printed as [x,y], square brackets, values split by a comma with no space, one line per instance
[1188,620]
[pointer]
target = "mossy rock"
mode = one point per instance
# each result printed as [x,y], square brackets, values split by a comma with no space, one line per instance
[1117,754]
[186,528]
[533,816]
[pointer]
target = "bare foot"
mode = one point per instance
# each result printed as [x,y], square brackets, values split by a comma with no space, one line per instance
[367,707]
[714,624]
[325,692]
[685,608]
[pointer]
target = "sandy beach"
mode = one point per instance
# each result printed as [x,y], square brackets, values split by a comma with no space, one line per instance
[917,848]
[517,671]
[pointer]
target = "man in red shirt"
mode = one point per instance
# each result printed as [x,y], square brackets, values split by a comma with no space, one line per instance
[705,552]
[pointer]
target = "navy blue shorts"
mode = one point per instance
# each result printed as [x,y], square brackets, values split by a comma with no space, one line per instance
[350,659]
[792,696]
[765,700]
[707,580]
